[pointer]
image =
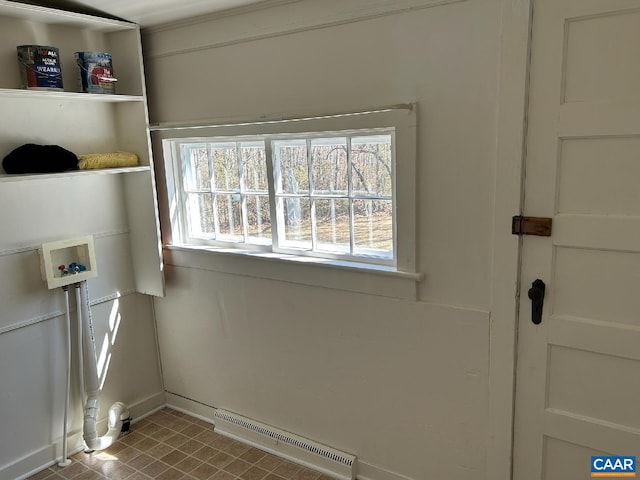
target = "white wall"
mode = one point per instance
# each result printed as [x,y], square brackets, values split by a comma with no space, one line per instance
[32,343]
[401,384]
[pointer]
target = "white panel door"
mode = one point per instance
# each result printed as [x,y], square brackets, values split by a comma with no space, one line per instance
[578,373]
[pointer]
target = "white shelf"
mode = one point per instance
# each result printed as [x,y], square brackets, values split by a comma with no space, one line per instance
[60,17]
[74,96]
[25,177]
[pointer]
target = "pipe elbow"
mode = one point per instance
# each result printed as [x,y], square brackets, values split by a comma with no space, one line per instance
[117,413]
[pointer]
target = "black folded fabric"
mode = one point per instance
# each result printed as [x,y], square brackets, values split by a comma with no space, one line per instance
[32,158]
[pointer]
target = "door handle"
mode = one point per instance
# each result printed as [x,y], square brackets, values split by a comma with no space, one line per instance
[536,294]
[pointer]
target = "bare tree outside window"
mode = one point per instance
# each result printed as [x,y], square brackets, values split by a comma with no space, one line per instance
[333,193]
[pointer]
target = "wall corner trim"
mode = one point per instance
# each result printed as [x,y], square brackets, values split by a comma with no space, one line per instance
[516,20]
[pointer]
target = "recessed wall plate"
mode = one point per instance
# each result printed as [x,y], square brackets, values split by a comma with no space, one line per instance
[57,257]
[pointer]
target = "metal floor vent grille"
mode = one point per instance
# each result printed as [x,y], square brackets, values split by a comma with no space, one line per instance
[298,449]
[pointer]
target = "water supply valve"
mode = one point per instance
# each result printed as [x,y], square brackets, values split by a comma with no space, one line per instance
[68,261]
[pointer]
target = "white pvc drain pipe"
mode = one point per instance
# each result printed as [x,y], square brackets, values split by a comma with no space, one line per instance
[118,412]
[79,344]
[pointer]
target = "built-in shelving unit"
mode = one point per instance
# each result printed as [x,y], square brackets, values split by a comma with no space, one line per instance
[80,122]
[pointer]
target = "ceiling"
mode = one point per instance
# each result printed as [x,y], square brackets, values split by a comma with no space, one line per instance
[147,13]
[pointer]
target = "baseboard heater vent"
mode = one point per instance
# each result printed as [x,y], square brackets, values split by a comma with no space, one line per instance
[298,449]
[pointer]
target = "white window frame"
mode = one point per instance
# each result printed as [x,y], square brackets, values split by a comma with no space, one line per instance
[401,119]
[275,196]
[308,137]
[182,233]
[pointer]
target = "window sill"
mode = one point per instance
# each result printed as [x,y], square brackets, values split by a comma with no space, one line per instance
[320,272]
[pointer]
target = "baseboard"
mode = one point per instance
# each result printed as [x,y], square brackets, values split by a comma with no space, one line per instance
[191,407]
[39,459]
[147,406]
[367,471]
[49,455]
[302,450]
[206,413]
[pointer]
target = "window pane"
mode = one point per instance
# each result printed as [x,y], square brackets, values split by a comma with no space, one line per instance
[255,167]
[297,222]
[196,168]
[329,156]
[371,165]
[229,218]
[200,216]
[225,166]
[258,219]
[291,159]
[373,227]
[343,180]
[332,225]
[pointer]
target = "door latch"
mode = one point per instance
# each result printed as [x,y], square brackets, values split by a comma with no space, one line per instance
[540,226]
[536,294]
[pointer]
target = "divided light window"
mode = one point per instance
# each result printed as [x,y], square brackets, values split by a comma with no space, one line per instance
[321,194]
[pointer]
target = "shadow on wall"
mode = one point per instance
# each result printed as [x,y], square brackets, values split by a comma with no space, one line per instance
[109,341]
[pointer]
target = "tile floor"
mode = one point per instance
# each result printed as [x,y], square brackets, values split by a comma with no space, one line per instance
[170,445]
